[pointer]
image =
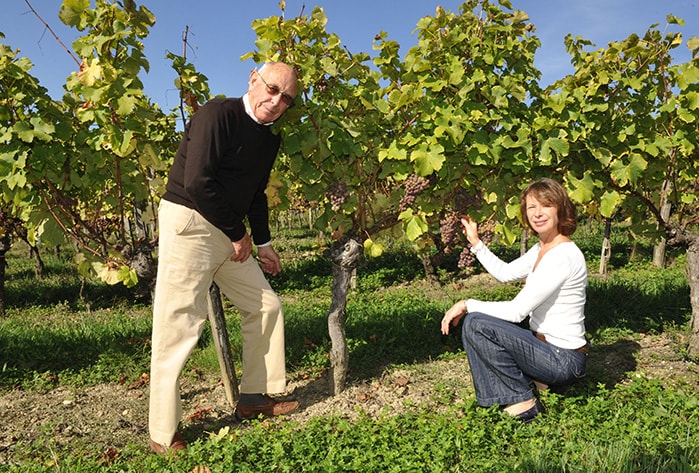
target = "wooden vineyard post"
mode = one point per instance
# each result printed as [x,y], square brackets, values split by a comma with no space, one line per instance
[222,345]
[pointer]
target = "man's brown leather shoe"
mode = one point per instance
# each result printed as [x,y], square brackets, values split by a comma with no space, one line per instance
[270,408]
[178,443]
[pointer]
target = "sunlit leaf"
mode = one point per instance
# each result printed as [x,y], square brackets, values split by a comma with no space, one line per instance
[428,160]
[609,202]
[24,132]
[689,76]
[71,10]
[628,173]
[415,227]
[90,73]
[126,104]
[582,189]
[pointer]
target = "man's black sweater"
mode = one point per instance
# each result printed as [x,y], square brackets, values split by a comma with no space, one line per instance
[222,167]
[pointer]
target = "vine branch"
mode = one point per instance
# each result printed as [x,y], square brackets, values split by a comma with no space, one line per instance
[53,33]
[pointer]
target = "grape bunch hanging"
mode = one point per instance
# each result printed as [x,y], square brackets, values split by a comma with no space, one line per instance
[412,186]
[450,221]
[450,229]
[486,232]
[337,194]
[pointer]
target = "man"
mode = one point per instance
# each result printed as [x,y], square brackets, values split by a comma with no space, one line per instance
[217,181]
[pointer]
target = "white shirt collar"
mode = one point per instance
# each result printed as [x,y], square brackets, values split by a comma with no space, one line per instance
[248,110]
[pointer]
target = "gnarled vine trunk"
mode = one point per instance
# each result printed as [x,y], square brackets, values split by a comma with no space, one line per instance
[345,256]
[665,209]
[689,240]
[5,245]
[141,260]
[693,278]
[39,266]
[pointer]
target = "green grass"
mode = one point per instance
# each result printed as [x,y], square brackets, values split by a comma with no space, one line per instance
[61,332]
[42,347]
[579,435]
[642,427]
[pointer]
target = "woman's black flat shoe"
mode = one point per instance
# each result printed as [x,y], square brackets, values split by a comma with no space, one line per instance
[532,413]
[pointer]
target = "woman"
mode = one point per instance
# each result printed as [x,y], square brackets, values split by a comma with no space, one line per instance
[505,358]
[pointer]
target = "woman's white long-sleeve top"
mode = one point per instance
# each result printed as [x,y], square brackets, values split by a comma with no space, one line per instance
[553,295]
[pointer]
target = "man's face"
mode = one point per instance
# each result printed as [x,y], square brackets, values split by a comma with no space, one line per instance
[271,91]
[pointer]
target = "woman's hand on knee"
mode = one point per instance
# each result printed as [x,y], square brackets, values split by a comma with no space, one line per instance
[453,315]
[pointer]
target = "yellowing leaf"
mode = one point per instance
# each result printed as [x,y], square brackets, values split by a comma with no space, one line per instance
[512,209]
[42,129]
[272,190]
[583,189]
[376,250]
[127,276]
[107,275]
[127,145]
[603,155]
[415,227]
[90,73]
[221,434]
[126,104]
[24,132]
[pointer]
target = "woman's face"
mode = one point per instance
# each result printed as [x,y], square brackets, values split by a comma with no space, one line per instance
[542,217]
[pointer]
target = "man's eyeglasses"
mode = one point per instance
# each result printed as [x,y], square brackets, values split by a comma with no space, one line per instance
[274,90]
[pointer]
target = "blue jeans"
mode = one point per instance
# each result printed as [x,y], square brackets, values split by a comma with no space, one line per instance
[505,358]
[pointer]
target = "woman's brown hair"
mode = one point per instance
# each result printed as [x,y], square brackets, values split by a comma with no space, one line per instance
[548,191]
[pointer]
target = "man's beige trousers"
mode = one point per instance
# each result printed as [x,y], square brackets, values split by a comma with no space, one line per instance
[192,254]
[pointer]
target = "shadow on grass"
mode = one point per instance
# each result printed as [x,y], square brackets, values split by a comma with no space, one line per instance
[384,330]
[61,285]
[607,366]
[315,272]
[79,350]
[381,330]
[632,305]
